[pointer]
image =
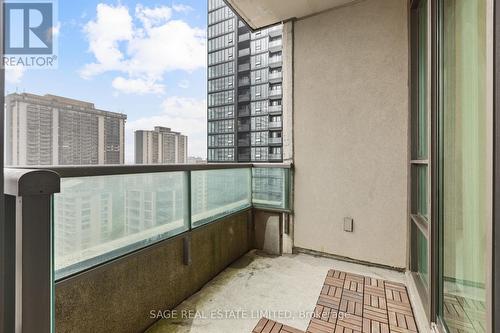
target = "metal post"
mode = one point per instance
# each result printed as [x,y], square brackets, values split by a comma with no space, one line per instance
[31,256]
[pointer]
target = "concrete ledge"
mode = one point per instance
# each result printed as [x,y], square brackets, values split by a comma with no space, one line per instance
[119,296]
[346,259]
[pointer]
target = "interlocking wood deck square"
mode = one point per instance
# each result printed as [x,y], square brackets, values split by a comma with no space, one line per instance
[464,315]
[351,303]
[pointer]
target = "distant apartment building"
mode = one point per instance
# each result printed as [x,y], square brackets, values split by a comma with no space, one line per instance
[160,146]
[54,130]
[244,89]
[196,160]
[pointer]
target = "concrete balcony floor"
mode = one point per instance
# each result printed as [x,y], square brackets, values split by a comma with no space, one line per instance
[284,288]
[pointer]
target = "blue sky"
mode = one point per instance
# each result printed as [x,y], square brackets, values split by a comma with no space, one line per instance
[146,59]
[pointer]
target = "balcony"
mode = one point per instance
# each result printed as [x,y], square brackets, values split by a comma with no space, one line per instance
[244,67]
[351,238]
[244,97]
[275,45]
[275,157]
[275,141]
[275,77]
[274,124]
[275,93]
[244,128]
[275,109]
[243,53]
[275,61]
[244,111]
[194,204]
[244,142]
[244,82]
[243,38]
[275,31]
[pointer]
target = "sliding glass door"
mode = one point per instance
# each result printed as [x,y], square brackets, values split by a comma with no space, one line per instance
[420,162]
[464,154]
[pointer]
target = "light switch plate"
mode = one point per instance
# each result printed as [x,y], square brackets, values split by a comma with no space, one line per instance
[348,224]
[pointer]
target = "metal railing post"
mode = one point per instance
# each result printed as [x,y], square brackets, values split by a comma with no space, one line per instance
[31,259]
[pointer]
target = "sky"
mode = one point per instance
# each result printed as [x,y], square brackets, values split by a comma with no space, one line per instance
[146,59]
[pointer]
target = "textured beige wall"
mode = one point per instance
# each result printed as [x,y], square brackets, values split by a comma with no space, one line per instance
[350,131]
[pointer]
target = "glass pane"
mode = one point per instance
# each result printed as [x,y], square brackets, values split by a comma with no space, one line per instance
[465,165]
[269,187]
[422,191]
[422,82]
[216,193]
[100,218]
[422,257]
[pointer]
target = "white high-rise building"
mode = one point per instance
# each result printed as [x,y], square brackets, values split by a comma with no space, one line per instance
[160,146]
[54,130]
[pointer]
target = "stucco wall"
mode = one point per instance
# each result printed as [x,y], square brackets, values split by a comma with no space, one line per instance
[350,131]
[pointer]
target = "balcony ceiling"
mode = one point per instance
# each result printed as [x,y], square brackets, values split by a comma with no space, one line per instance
[261,13]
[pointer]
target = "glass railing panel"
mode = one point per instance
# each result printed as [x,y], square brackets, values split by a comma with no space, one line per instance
[270,187]
[216,193]
[100,218]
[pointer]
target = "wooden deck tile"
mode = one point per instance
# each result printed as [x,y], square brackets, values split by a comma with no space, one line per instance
[270,326]
[351,303]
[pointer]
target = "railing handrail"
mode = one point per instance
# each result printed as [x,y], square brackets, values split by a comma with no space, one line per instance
[109,170]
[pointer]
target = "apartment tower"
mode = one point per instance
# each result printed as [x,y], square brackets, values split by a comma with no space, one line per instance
[160,146]
[54,130]
[244,89]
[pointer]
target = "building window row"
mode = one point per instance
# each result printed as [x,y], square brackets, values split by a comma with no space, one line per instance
[221,70]
[220,14]
[221,28]
[259,92]
[222,83]
[259,76]
[221,126]
[221,154]
[259,61]
[260,123]
[221,42]
[221,112]
[221,56]
[221,140]
[220,98]
[259,45]
[214,4]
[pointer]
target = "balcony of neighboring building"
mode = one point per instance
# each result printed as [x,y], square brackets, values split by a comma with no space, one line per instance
[275,141]
[275,93]
[275,109]
[245,67]
[275,61]
[275,31]
[275,45]
[275,76]
[244,37]
[244,52]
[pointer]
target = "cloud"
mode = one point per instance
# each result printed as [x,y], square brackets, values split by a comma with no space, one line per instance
[181,114]
[112,25]
[182,8]
[137,86]
[184,84]
[144,49]
[14,75]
